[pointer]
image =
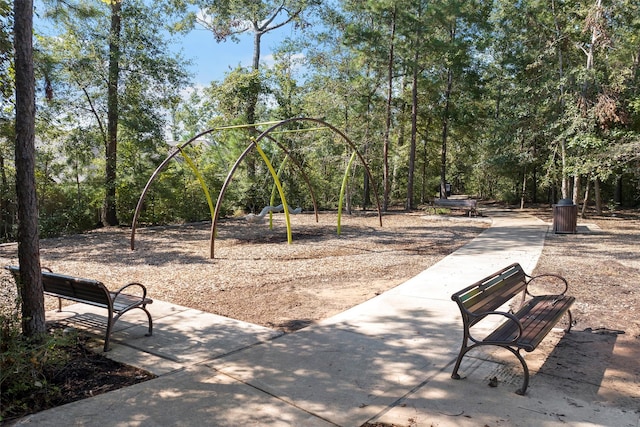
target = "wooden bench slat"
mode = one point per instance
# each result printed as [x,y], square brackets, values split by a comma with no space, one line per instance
[74,288]
[498,296]
[492,294]
[537,319]
[545,315]
[122,302]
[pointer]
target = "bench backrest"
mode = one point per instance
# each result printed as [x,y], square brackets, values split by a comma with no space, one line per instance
[73,288]
[472,203]
[493,291]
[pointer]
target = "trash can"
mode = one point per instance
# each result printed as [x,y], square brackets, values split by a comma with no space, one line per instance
[565,217]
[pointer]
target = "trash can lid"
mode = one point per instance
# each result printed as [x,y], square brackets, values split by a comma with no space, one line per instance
[565,202]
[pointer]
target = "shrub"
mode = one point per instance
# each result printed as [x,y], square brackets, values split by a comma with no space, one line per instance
[26,364]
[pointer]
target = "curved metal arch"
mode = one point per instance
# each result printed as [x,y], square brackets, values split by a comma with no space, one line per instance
[255,142]
[179,149]
[347,140]
[304,174]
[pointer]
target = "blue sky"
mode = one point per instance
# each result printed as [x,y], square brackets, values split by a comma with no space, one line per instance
[211,60]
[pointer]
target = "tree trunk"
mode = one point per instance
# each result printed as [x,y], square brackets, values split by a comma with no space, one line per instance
[583,213]
[30,283]
[366,192]
[534,186]
[414,132]
[563,141]
[253,101]
[414,110]
[445,134]
[598,196]
[5,203]
[445,120]
[257,42]
[387,128]
[426,193]
[617,194]
[524,188]
[110,216]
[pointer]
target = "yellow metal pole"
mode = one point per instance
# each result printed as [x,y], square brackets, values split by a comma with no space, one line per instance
[203,184]
[342,190]
[280,190]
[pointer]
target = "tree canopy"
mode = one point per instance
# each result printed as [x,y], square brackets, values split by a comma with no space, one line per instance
[524,102]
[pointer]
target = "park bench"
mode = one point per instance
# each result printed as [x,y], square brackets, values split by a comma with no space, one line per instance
[94,293]
[522,329]
[468,205]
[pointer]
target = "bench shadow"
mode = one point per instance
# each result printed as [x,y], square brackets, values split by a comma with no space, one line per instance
[597,365]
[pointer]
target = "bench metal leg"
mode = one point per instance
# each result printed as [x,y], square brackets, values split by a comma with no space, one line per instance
[110,322]
[521,391]
[148,334]
[464,350]
[113,319]
[568,329]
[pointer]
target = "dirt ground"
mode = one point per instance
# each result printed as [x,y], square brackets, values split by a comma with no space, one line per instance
[602,264]
[257,277]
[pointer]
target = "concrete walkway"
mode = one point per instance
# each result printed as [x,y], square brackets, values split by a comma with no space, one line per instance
[387,360]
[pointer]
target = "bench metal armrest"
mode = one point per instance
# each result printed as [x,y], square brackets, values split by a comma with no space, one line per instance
[510,318]
[556,276]
[132,284]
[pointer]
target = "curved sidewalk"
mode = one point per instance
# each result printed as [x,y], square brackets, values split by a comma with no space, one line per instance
[387,360]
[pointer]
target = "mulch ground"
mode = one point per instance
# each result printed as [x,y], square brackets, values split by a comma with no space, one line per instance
[602,263]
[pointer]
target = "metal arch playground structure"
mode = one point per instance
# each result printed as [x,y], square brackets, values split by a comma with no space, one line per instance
[255,144]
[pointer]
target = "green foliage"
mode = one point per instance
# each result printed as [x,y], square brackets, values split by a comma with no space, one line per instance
[229,18]
[148,78]
[235,93]
[523,107]
[27,363]
[6,51]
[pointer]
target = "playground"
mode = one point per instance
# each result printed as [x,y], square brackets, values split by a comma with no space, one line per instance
[257,276]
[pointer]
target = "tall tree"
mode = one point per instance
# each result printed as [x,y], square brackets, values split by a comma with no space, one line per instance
[533,54]
[559,36]
[389,110]
[602,117]
[415,72]
[123,101]
[457,43]
[109,215]
[30,284]
[228,20]
[7,110]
